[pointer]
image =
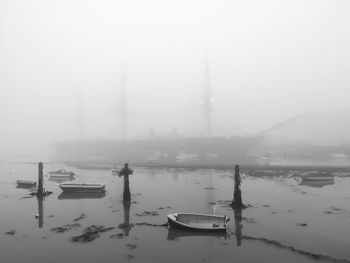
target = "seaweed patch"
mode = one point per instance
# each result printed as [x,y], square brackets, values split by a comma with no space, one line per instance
[91,233]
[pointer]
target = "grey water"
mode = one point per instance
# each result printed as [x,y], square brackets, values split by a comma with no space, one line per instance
[286,221]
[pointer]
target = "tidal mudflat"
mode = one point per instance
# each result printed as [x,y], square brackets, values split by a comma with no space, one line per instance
[286,221]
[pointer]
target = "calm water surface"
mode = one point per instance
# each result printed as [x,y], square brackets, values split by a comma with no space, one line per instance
[287,222]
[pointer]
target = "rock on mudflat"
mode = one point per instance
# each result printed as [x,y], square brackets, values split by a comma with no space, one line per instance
[91,233]
[11,232]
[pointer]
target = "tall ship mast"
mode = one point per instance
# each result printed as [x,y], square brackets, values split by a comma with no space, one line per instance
[80,117]
[207,101]
[123,105]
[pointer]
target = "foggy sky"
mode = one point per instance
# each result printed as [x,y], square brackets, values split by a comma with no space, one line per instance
[268,60]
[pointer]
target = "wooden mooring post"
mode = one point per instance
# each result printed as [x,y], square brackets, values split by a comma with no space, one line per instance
[126,171]
[40,191]
[237,195]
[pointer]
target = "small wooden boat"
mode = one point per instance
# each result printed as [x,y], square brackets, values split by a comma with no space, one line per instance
[81,188]
[25,184]
[201,222]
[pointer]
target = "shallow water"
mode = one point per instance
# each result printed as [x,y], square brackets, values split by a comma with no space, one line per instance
[286,222]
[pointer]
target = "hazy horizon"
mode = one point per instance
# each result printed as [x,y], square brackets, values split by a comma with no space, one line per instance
[62,63]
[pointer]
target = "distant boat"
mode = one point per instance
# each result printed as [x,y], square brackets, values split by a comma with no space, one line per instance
[62,173]
[82,188]
[115,170]
[201,222]
[25,184]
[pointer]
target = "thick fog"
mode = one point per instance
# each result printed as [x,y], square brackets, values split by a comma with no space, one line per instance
[69,68]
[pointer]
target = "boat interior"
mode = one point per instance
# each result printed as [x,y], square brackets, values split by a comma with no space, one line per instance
[197,220]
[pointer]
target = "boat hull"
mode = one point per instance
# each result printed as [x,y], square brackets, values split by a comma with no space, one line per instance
[82,188]
[25,184]
[198,222]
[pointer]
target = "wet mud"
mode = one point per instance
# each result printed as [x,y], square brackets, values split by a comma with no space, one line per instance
[91,233]
[65,228]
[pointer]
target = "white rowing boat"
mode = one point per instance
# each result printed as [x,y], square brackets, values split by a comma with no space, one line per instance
[202,222]
[81,188]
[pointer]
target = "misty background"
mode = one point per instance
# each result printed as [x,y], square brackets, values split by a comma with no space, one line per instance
[66,63]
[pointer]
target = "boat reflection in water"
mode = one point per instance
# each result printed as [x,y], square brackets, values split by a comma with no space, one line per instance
[24,186]
[176,233]
[238,225]
[82,195]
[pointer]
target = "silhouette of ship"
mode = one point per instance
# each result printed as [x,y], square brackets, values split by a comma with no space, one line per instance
[165,151]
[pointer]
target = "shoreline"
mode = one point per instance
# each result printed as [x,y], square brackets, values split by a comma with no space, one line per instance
[284,168]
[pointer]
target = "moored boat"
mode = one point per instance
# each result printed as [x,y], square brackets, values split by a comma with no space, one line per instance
[25,184]
[81,195]
[61,172]
[61,175]
[201,222]
[81,188]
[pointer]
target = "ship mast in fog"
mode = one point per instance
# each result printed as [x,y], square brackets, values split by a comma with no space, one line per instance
[207,101]
[80,114]
[123,105]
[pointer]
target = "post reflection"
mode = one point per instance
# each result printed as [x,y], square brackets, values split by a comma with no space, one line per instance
[40,212]
[126,226]
[238,225]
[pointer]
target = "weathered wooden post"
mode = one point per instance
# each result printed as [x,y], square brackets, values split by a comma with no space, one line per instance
[237,195]
[40,191]
[126,171]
